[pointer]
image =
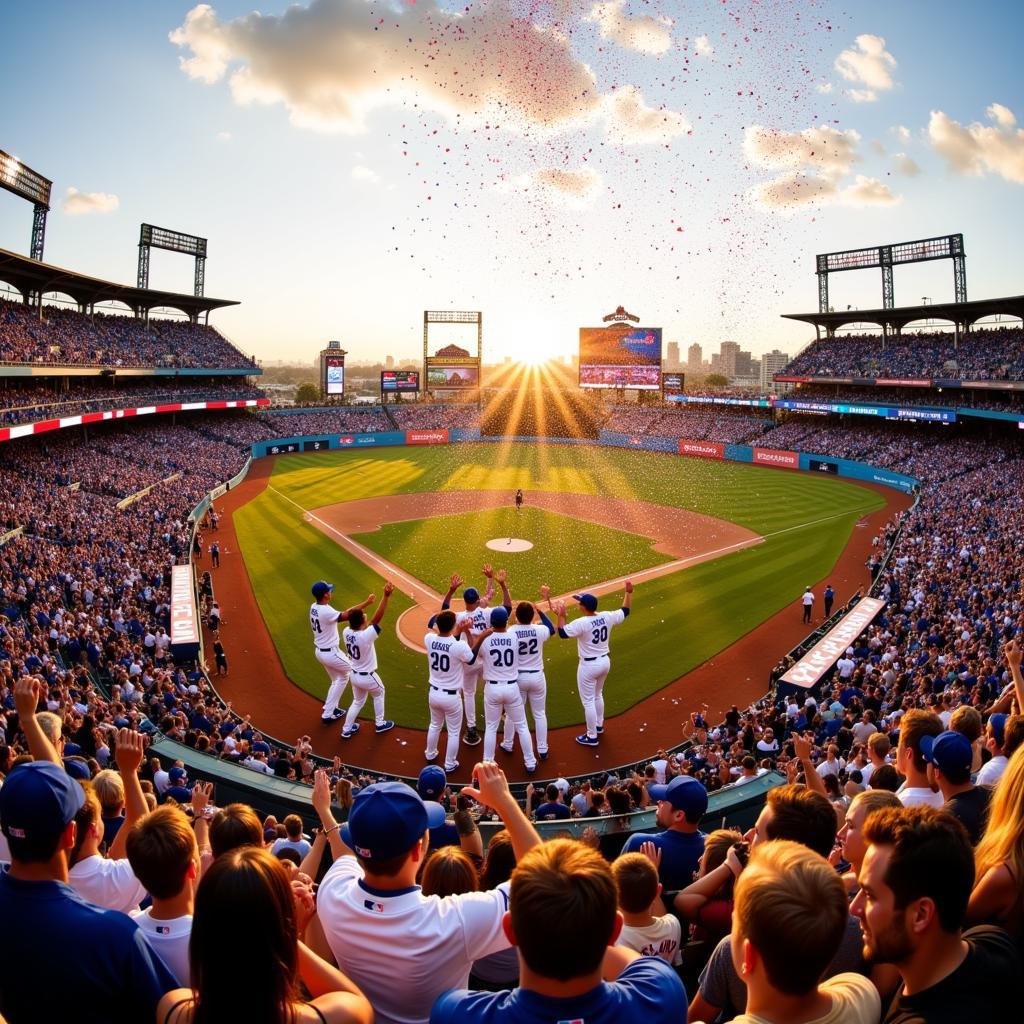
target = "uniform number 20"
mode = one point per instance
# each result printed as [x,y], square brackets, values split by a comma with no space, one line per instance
[600,634]
[503,657]
[439,662]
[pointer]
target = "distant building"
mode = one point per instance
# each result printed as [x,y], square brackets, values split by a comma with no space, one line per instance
[772,363]
[727,362]
[695,358]
[742,366]
[672,356]
[389,362]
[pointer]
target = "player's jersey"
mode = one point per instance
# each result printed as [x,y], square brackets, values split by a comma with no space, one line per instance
[531,641]
[499,653]
[480,618]
[445,658]
[359,644]
[591,632]
[324,622]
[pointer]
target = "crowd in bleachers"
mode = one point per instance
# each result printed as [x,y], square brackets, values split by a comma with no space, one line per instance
[696,423]
[983,354]
[67,337]
[948,398]
[539,411]
[434,416]
[346,419]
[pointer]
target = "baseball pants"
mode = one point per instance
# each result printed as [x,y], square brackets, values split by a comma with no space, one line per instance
[445,710]
[338,668]
[471,677]
[505,697]
[365,684]
[590,677]
[533,688]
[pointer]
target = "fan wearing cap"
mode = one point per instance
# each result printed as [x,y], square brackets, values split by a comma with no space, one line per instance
[681,805]
[949,757]
[499,652]
[476,615]
[995,737]
[178,790]
[404,949]
[323,620]
[591,632]
[103,970]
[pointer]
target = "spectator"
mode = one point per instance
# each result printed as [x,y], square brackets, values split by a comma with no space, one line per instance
[563,921]
[553,809]
[162,851]
[949,758]
[498,971]
[449,871]
[790,919]
[637,888]
[234,826]
[681,805]
[247,893]
[708,901]
[995,735]
[915,725]
[293,839]
[915,885]
[851,833]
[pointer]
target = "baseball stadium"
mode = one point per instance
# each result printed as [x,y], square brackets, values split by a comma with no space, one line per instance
[724,601]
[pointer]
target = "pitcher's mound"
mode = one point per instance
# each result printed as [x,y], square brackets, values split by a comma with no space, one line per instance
[509,544]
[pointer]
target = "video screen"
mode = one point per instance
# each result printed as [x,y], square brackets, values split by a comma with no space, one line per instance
[335,369]
[674,381]
[399,381]
[453,377]
[620,356]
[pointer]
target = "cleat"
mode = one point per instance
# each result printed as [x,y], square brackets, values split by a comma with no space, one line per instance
[429,759]
[600,729]
[385,726]
[472,737]
[351,733]
[333,716]
[542,754]
[529,770]
[587,741]
[453,768]
[508,750]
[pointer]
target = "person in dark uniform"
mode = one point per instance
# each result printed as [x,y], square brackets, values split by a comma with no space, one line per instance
[519,499]
[221,657]
[830,596]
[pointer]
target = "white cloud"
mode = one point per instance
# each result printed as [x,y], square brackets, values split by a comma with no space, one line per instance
[824,87]
[979,149]
[330,64]
[824,149]
[792,191]
[862,95]
[77,203]
[632,122]
[702,46]
[867,192]
[877,147]
[867,63]
[362,173]
[903,132]
[906,165]
[643,34]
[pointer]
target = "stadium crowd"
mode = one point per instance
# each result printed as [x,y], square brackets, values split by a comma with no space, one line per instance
[948,398]
[434,416]
[983,354]
[343,419]
[696,423]
[65,337]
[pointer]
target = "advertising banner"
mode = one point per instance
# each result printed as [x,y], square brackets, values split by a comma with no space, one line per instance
[334,367]
[826,652]
[702,449]
[184,615]
[426,437]
[399,381]
[821,466]
[772,457]
[620,356]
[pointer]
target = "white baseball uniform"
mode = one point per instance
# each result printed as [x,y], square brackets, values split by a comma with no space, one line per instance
[446,660]
[481,620]
[500,654]
[533,686]
[591,633]
[364,679]
[323,620]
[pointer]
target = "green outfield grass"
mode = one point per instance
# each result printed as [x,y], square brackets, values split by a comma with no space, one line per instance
[680,620]
[567,553]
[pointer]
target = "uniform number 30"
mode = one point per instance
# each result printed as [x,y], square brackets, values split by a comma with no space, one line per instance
[600,634]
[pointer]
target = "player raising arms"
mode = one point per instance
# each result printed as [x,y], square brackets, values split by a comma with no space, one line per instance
[476,614]
[323,619]
[591,632]
[447,656]
[359,643]
[533,685]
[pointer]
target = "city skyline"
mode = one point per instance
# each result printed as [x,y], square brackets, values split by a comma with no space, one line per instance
[353,164]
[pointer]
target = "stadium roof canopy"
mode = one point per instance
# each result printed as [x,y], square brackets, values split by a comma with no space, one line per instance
[28,275]
[963,314]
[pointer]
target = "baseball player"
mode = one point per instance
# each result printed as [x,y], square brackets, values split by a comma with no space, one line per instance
[359,643]
[533,686]
[591,632]
[519,499]
[498,649]
[447,657]
[476,614]
[323,619]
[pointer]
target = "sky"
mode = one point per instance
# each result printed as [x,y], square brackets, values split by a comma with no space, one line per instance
[353,163]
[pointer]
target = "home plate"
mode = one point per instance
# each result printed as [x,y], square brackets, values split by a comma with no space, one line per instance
[509,544]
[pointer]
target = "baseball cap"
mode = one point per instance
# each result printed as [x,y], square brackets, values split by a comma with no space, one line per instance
[684,793]
[587,600]
[77,768]
[177,774]
[499,616]
[950,752]
[320,588]
[37,800]
[998,723]
[431,782]
[471,595]
[387,819]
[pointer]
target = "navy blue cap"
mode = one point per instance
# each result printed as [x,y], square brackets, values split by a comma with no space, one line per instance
[320,588]
[431,782]
[37,800]
[998,724]
[587,600]
[471,595]
[951,752]
[387,819]
[684,793]
[499,615]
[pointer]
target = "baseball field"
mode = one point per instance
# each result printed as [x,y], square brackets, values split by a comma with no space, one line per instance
[715,549]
